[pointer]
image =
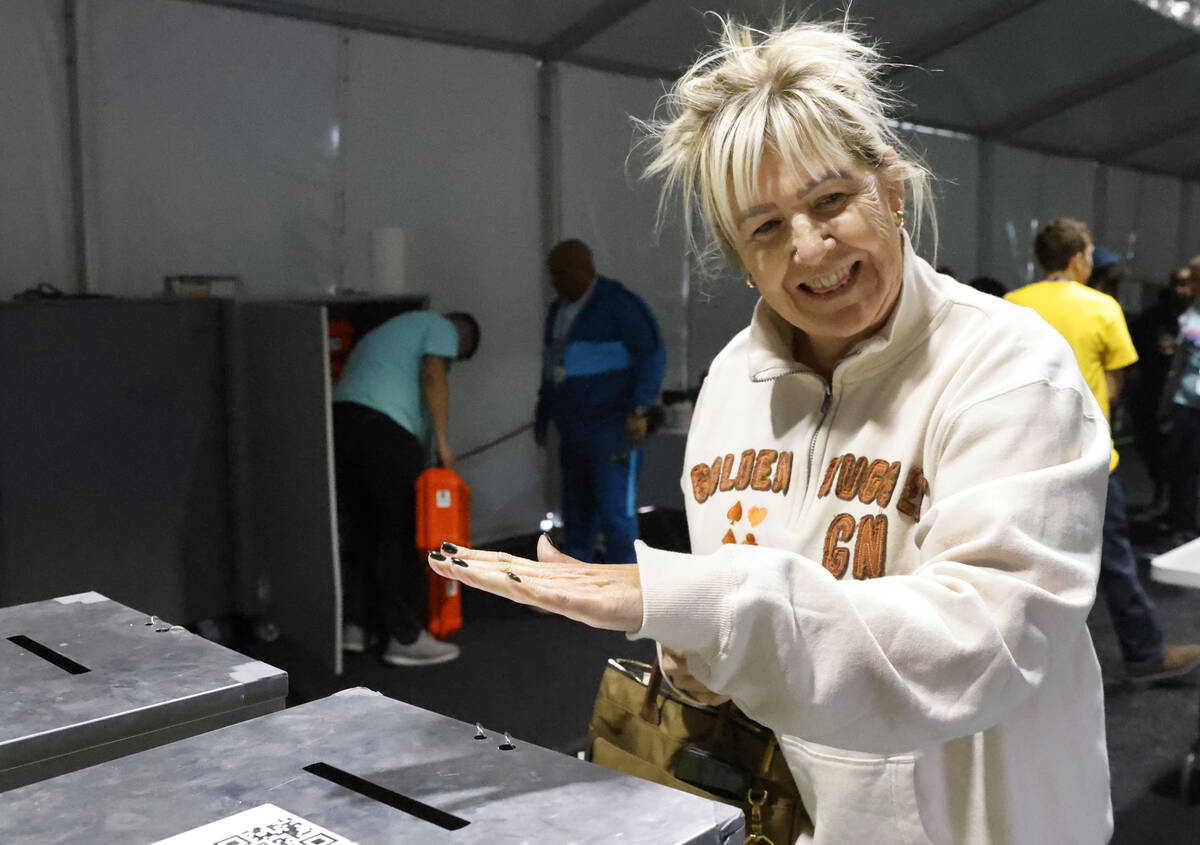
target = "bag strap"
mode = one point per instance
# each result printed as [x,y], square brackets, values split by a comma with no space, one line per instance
[650,711]
[764,766]
[724,712]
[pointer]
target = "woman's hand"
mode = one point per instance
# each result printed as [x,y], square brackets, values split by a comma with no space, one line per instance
[675,668]
[605,596]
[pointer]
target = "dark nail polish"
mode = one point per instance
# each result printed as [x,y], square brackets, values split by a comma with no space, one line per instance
[449,548]
[437,555]
[514,577]
[458,562]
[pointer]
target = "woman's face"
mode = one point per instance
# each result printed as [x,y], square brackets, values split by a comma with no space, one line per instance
[824,250]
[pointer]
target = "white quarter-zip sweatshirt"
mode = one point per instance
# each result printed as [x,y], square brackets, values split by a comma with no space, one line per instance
[893,571]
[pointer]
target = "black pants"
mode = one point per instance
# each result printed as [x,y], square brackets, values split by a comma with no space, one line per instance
[1151,445]
[1185,468]
[377,462]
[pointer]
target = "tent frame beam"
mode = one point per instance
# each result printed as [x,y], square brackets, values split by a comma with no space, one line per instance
[1095,88]
[587,27]
[952,37]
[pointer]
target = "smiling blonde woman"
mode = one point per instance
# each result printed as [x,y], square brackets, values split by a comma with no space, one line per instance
[894,483]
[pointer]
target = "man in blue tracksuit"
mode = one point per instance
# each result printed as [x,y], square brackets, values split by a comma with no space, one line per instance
[602,368]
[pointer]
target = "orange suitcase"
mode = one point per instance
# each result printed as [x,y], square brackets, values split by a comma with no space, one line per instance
[443,514]
[341,339]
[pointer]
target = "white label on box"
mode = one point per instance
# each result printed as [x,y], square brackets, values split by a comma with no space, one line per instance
[263,824]
[82,598]
[442,498]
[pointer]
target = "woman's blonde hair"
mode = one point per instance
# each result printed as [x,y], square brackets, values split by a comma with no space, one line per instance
[808,91]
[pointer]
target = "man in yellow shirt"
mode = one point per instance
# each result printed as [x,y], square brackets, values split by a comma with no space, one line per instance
[1094,326]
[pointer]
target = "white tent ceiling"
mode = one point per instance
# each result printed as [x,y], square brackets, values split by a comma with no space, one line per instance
[1108,80]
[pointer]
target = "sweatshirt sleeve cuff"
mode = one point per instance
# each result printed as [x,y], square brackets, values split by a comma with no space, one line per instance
[684,598]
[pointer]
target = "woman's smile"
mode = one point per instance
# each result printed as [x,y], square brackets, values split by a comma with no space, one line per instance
[833,283]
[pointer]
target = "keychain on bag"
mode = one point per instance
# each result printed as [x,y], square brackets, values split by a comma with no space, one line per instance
[756,836]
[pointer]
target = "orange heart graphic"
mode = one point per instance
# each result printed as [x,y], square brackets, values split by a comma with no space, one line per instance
[734,513]
[757,515]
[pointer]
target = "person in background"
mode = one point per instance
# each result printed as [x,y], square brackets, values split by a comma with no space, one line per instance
[393,386]
[1180,416]
[1107,271]
[894,483]
[1154,332]
[1094,325]
[988,285]
[602,369]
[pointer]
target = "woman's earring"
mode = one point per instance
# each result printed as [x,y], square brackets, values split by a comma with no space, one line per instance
[900,217]
[749,283]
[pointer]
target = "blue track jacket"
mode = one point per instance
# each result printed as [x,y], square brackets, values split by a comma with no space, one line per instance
[611,362]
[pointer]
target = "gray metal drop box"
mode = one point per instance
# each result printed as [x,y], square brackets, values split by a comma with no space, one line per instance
[84,679]
[358,767]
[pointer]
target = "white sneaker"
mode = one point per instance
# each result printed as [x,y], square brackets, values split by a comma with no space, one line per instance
[354,639]
[427,650]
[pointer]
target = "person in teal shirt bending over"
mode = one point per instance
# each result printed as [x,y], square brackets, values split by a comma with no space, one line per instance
[393,389]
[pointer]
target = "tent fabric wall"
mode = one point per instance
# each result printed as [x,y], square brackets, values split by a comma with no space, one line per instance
[1189,239]
[1120,210]
[1014,212]
[604,202]
[1028,190]
[441,142]
[954,161]
[1142,222]
[1159,203]
[209,147]
[207,128]
[1066,188]
[36,228]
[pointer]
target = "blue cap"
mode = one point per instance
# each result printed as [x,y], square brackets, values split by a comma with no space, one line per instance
[1102,258]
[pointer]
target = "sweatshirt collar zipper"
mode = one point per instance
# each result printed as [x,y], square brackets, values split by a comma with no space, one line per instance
[826,401]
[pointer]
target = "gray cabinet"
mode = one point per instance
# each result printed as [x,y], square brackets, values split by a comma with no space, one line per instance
[114,454]
[176,455]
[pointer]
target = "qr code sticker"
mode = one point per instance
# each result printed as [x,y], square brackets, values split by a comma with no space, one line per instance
[262,825]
